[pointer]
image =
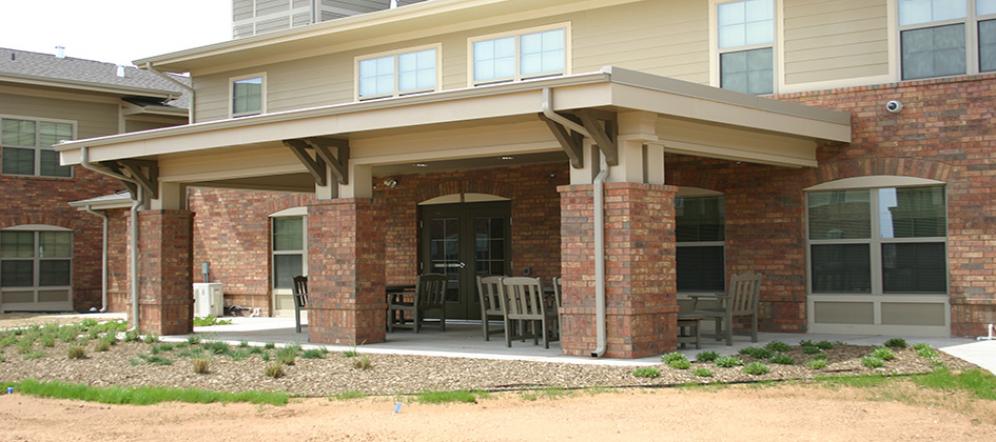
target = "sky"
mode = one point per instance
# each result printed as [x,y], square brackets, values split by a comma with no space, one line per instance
[116,31]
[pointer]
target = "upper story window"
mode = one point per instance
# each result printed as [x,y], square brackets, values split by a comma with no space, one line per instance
[398,74]
[27,146]
[248,95]
[947,37]
[520,56]
[746,45]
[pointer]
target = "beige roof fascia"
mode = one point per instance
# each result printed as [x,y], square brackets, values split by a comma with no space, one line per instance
[613,87]
[87,86]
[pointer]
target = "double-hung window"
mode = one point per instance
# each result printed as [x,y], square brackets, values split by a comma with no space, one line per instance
[289,257]
[746,46]
[248,95]
[398,74]
[27,147]
[699,232]
[519,56]
[939,38]
[35,268]
[878,241]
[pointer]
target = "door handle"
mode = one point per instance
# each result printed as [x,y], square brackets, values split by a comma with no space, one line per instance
[462,265]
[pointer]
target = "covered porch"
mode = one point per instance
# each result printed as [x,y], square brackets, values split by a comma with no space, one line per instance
[379,171]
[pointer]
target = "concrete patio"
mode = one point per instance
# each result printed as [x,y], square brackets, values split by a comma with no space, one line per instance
[464,340]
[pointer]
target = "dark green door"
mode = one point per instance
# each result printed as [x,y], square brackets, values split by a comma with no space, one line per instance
[463,241]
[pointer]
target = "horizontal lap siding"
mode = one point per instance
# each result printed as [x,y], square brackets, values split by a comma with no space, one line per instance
[93,119]
[835,40]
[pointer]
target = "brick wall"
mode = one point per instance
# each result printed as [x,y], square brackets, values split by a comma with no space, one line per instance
[166,298]
[945,132]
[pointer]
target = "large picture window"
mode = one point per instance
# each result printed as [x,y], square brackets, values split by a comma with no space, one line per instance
[746,45]
[36,268]
[946,37]
[699,232]
[878,241]
[530,54]
[27,147]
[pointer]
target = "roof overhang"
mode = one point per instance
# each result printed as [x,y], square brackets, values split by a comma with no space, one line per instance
[107,202]
[86,86]
[684,108]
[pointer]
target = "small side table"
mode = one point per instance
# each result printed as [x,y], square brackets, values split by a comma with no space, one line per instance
[688,330]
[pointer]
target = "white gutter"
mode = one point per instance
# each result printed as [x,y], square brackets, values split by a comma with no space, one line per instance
[599,219]
[189,88]
[133,237]
[103,256]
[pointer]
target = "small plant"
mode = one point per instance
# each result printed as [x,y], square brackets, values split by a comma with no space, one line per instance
[825,345]
[348,395]
[275,371]
[194,340]
[925,351]
[756,352]
[706,356]
[286,355]
[102,345]
[48,341]
[243,344]
[668,357]
[884,354]
[444,397]
[778,347]
[201,365]
[781,359]
[315,354]
[131,336]
[240,354]
[151,339]
[756,369]
[817,364]
[76,352]
[362,363]
[872,362]
[165,347]
[209,320]
[647,372]
[33,354]
[256,350]
[896,343]
[270,346]
[155,360]
[680,364]
[702,372]
[218,348]
[266,357]
[3,358]
[811,350]
[728,362]
[352,353]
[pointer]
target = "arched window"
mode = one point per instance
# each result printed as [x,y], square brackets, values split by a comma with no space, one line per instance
[36,268]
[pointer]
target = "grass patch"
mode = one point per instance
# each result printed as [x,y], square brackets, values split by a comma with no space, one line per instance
[647,372]
[218,348]
[728,362]
[872,362]
[926,351]
[141,395]
[781,359]
[193,340]
[348,395]
[155,360]
[977,382]
[446,397]
[883,353]
[817,364]
[315,354]
[76,352]
[208,321]
[756,369]
[546,393]
[702,372]
[756,352]
[853,381]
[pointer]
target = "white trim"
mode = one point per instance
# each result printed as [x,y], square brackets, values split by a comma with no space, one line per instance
[274,291]
[231,95]
[777,48]
[971,22]
[36,228]
[291,212]
[873,181]
[397,53]
[38,148]
[517,34]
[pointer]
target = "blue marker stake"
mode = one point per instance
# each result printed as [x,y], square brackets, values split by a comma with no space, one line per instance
[10,390]
[397,407]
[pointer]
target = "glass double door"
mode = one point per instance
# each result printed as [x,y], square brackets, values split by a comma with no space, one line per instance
[463,241]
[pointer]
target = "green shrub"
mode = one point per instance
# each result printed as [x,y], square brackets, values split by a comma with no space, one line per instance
[266,357]
[756,352]
[352,353]
[647,372]
[362,363]
[668,357]
[275,371]
[728,361]
[287,355]
[243,344]
[201,365]
[896,343]
[811,350]
[817,364]
[256,350]
[194,340]
[218,348]
[270,346]
[76,352]
[151,339]
[102,345]
[48,341]
[93,334]
[825,345]
[88,323]
[315,354]
[778,347]
[925,351]
[131,336]
[883,353]
[702,372]
[680,364]
[68,333]
[756,369]
[781,359]
[872,362]
[706,356]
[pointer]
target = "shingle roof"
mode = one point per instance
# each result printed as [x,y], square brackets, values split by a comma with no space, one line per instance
[76,71]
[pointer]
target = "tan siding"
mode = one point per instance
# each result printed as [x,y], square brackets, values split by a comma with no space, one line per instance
[835,39]
[135,126]
[664,38]
[93,119]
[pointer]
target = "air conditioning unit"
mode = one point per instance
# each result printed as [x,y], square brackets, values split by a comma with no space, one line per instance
[209,299]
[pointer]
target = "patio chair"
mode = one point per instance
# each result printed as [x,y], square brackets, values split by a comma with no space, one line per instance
[300,299]
[741,299]
[489,289]
[430,295]
[524,302]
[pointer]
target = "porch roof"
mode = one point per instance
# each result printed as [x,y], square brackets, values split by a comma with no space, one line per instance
[687,106]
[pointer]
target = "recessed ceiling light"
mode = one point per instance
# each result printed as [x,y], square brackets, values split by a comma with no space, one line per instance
[421,165]
[507,158]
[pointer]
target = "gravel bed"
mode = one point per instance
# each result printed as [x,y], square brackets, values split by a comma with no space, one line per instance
[393,374]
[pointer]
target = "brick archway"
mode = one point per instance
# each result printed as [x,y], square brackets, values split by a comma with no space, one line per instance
[37,218]
[907,167]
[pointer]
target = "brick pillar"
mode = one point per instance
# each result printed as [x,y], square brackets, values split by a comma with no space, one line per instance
[166,299]
[641,303]
[346,272]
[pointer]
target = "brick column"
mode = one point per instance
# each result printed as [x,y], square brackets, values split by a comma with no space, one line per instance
[641,303]
[166,299]
[346,272]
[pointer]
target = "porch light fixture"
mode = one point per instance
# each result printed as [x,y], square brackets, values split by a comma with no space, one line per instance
[391,183]
[421,165]
[507,158]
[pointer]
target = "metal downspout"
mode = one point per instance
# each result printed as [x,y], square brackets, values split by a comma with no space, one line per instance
[133,240]
[103,257]
[599,220]
[190,109]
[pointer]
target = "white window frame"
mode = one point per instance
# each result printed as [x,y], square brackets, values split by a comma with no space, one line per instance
[396,55]
[36,230]
[972,49]
[715,52]
[37,148]
[876,295]
[517,35]
[231,95]
[296,212]
[705,243]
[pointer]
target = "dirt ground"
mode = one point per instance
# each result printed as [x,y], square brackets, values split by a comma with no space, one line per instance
[788,412]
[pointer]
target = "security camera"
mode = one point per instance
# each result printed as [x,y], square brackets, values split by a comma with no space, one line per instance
[894,106]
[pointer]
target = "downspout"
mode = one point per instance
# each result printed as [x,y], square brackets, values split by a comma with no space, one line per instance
[103,256]
[193,103]
[133,240]
[599,219]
